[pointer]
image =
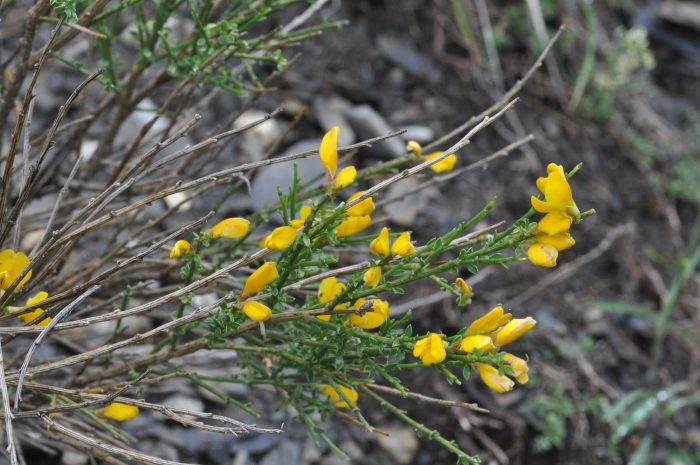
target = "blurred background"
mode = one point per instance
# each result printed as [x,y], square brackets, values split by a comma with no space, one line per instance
[614,357]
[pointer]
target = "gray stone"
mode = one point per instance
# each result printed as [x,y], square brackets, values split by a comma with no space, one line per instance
[287,452]
[330,112]
[403,53]
[184,402]
[253,444]
[368,123]
[406,210]
[401,444]
[422,134]
[255,140]
[264,186]
[72,457]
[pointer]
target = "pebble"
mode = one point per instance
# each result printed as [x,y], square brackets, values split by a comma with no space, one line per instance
[264,186]
[368,124]
[254,141]
[72,457]
[405,211]
[253,444]
[403,53]
[401,444]
[422,134]
[184,402]
[330,112]
[287,452]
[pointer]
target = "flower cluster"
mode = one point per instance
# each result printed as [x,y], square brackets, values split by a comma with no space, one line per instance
[486,334]
[443,166]
[12,265]
[552,233]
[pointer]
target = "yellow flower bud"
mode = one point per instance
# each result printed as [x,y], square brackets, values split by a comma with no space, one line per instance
[519,367]
[372,276]
[415,148]
[380,244]
[230,228]
[497,382]
[36,313]
[12,264]
[554,223]
[120,412]
[402,245]
[465,290]
[304,213]
[345,177]
[180,247]
[352,225]
[443,166]
[337,400]
[430,349]
[514,329]
[328,152]
[260,278]
[371,319]
[471,343]
[257,311]
[281,238]
[364,207]
[489,322]
[561,241]
[543,255]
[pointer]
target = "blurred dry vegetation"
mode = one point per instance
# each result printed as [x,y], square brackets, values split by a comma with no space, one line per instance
[614,360]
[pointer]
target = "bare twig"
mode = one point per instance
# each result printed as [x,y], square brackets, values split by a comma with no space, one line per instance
[7,412]
[424,398]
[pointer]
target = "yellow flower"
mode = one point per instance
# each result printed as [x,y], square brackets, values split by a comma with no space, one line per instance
[519,367]
[415,148]
[514,329]
[345,177]
[471,343]
[328,152]
[372,276]
[230,228]
[466,291]
[120,412]
[329,289]
[12,264]
[260,278]
[493,379]
[364,207]
[352,225]
[380,244]
[402,245]
[489,322]
[337,400]
[543,255]
[371,319]
[561,241]
[257,311]
[304,213]
[443,166]
[31,316]
[280,238]
[554,223]
[430,349]
[557,193]
[180,247]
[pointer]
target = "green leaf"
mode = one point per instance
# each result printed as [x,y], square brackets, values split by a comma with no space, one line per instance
[466,372]
[634,417]
[680,456]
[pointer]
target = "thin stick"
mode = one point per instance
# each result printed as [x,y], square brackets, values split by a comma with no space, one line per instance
[424,398]
[66,311]
[7,412]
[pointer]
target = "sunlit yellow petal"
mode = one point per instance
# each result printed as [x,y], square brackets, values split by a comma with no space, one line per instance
[364,207]
[345,177]
[120,412]
[257,311]
[260,278]
[543,255]
[514,329]
[352,225]
[495,381]
[230,228]
[328,152]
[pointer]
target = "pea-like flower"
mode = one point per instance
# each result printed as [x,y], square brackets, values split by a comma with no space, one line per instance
[304,213]
[493,379]
[281,238]
[230,228]
[554,223]
[514,329]
[489,322]
[380,244]
[415,148]
[181,247]
[543,255]
[345,177]
[36,313]
[465,291]
[372,276]
[329,289]
[352,225]
[328,152]
[403,245]
[471,343]
[557,193]
[260,278]
[443,166]
[519,367]
[560,241]
[430,349]
[370,319]
[257,311]
[362,208]
[12,264]
[120,412]
[336,398]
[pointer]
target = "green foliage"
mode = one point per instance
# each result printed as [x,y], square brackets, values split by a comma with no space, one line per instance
[66,8]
